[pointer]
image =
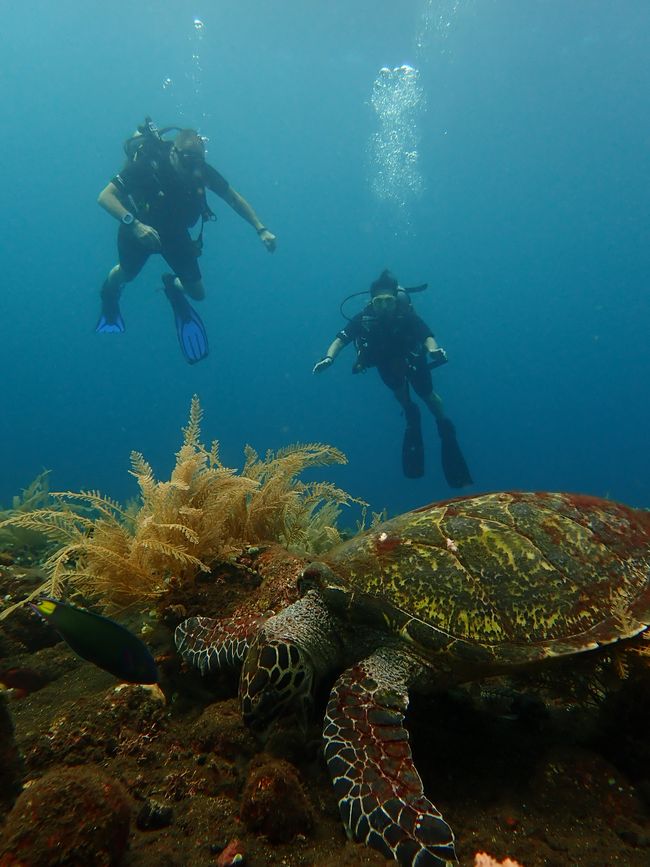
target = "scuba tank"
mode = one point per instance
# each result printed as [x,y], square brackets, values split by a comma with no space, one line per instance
[148,143]
[147,140]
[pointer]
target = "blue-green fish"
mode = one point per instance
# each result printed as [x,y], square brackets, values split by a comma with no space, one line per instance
[100,640]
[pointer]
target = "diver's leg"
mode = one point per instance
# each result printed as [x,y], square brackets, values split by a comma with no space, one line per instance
[433,402]
[132,257]
[179,251]
[394,376]
[403,396]
[412,444]
[419,376]
[110,319]
[180,254]
[454,466]
[115,280]
[195,289]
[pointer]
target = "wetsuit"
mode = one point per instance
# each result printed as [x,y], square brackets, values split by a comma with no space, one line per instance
[394,345]
[159,197]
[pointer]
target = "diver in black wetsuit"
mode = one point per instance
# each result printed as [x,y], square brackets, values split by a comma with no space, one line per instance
[390,336]
[159,194]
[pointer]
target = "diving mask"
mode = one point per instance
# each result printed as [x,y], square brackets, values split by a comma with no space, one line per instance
[190,160]
[384,303]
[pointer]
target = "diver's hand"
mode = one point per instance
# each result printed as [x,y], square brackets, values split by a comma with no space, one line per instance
[323,364]
[267,238]
[146,235]
[437,357]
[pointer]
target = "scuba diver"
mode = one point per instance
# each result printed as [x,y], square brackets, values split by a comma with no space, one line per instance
[390,336]
[157,197]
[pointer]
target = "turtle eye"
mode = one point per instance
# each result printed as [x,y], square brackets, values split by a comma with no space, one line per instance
[311,577]
[276,676]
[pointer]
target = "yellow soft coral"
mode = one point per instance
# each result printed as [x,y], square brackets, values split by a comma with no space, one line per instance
[206,512]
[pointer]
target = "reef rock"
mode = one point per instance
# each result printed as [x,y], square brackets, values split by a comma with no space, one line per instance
[74,816]
[10,764]
[275,803]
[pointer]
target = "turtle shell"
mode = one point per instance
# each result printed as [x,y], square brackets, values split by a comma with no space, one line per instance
[502,578]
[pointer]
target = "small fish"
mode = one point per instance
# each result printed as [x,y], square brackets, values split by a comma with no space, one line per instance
[100,640]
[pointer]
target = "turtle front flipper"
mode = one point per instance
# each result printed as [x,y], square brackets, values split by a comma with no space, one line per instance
[367,750]
[210,644]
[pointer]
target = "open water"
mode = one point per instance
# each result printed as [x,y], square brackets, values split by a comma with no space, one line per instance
[496,149]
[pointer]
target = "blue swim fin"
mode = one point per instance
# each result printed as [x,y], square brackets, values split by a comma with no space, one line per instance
[192,336]
[110,319]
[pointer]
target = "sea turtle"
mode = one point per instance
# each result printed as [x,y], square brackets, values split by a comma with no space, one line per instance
[445,594]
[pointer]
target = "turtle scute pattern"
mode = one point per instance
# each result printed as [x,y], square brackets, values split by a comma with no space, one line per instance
[521,575]
[452,591]
[380,794]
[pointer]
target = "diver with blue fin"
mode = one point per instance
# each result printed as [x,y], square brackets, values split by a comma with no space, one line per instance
[389,335]
[160,193]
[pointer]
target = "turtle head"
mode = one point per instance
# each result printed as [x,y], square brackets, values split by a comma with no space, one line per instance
[277,678]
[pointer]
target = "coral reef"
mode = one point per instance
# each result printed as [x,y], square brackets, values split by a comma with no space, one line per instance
[10,764]
[274,802]
[74,816]
[205,513]
[15,537]
[545,784]
[531,786]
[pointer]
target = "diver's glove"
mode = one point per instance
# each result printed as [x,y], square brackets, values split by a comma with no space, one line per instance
[323,364]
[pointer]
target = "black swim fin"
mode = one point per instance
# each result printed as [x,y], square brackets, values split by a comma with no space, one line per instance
[453,463]
[110,319]
[192,336]
[412,445]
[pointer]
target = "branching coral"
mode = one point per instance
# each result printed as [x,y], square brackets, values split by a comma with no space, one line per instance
[35,496]
[206,512]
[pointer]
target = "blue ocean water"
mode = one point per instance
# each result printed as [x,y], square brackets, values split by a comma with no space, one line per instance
[510,172]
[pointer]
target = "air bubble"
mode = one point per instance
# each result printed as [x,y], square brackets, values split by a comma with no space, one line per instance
[398,100]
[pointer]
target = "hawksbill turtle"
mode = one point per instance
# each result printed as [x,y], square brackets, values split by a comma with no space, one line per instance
[446,594]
